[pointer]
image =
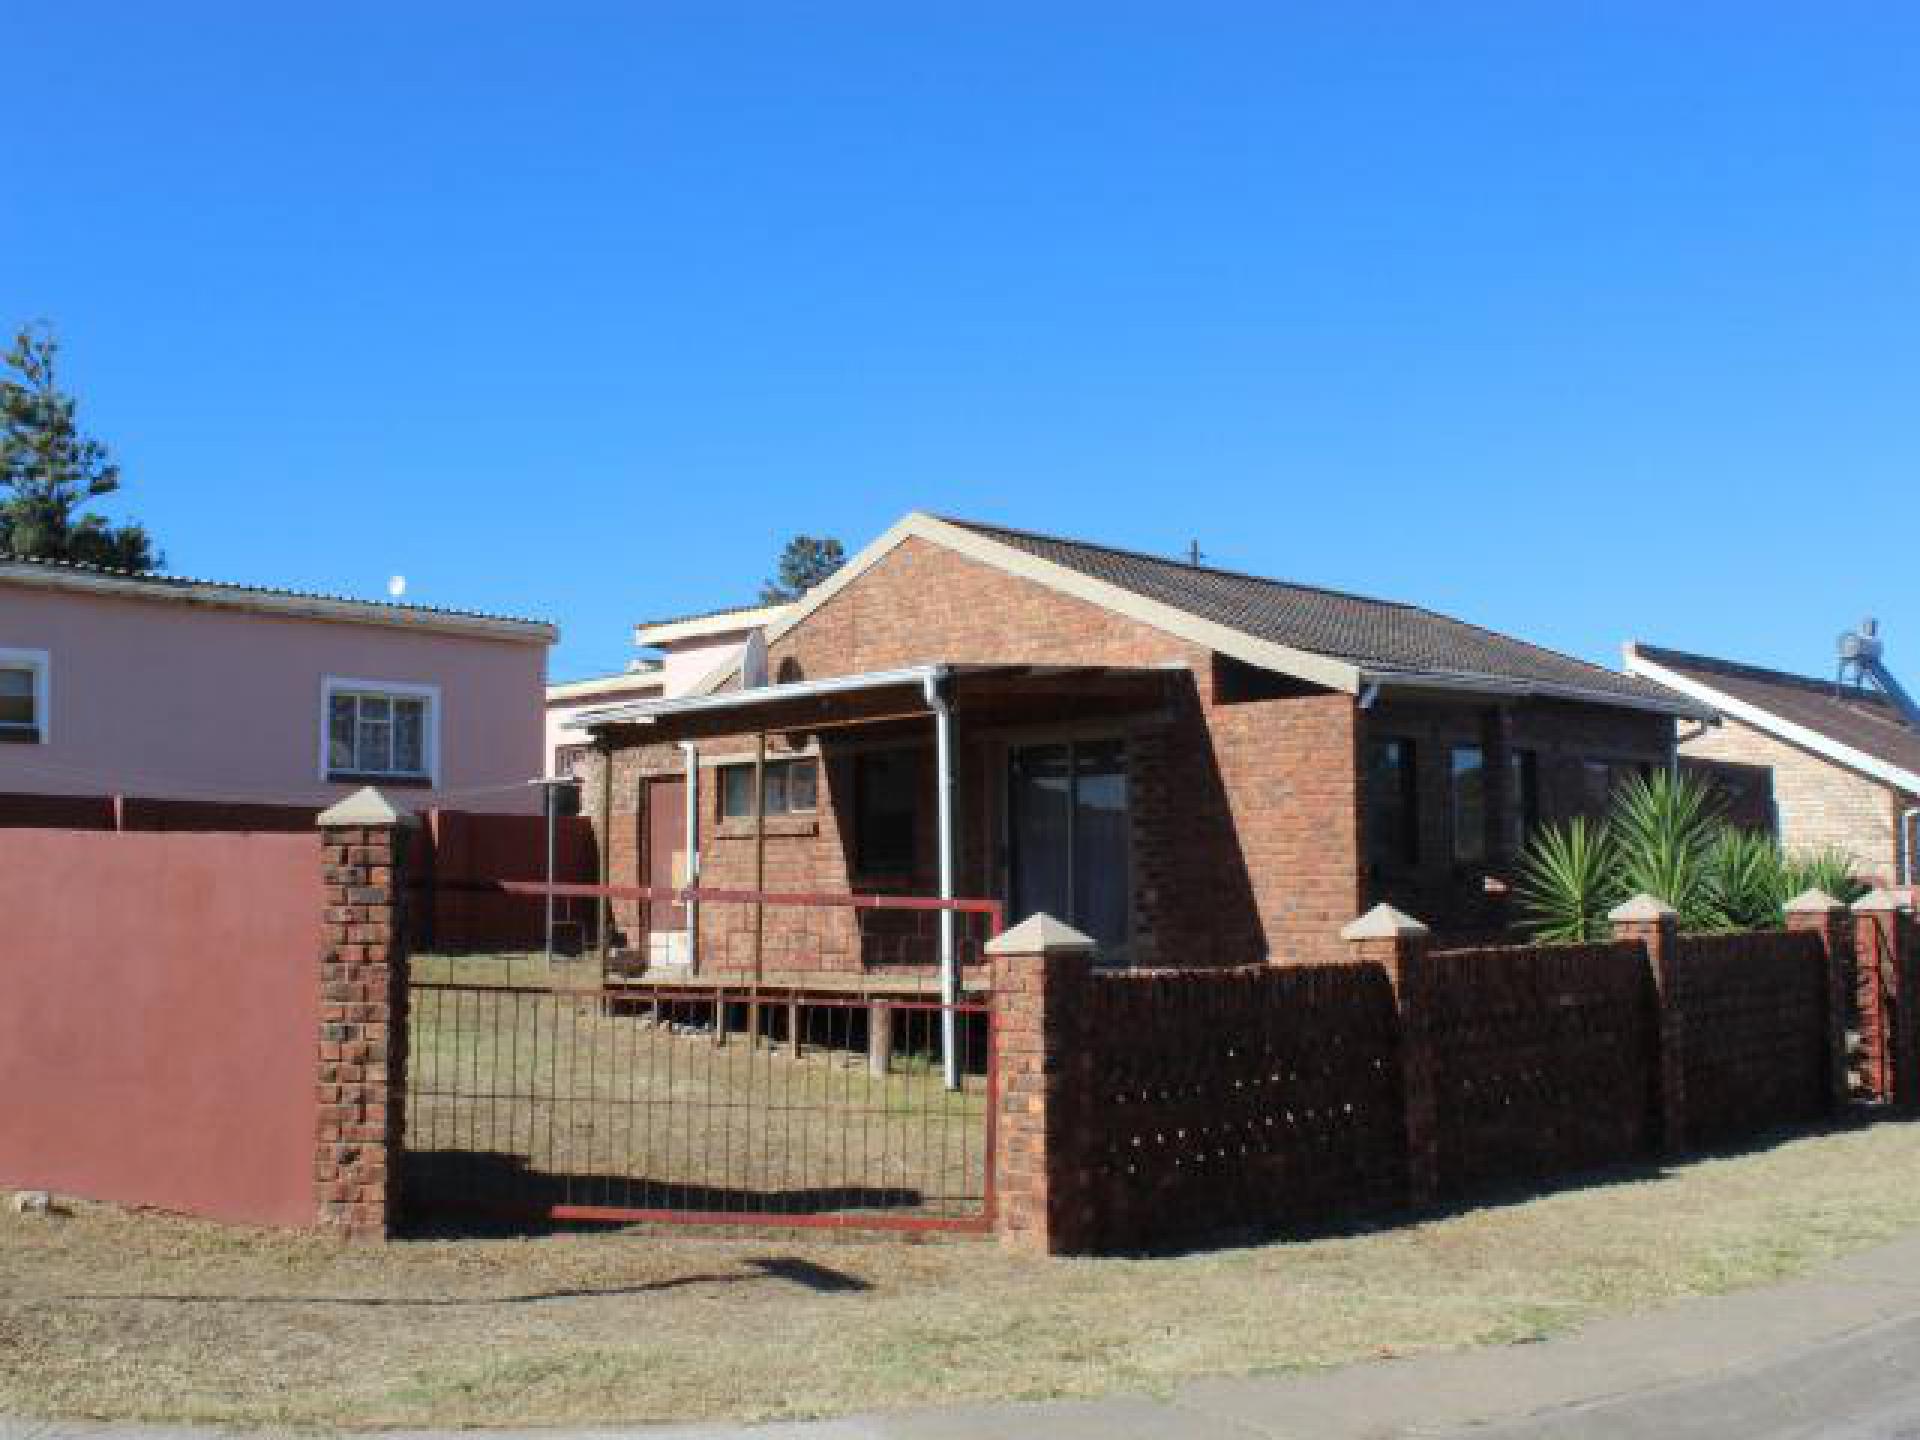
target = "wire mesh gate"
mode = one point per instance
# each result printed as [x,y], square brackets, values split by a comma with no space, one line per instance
[556,1090]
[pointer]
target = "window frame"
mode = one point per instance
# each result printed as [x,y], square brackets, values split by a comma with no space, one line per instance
[862,865]
[1523,796]
[1456,831]
[429,772]
[1405,858]
[730,766]
[39,664]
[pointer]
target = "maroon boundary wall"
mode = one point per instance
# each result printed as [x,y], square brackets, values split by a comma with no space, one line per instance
[158,1008]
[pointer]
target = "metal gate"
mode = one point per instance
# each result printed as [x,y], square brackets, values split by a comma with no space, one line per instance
[561,1089]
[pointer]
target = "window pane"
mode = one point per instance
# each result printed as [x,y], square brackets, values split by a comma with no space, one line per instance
[1100,844]
[1040,822]
[776,789]
[803,786]
[736,792]
[16,697]
[375,743]
[885,783]
[340,732]
[1469,803]
[1393,821]
[409,736]
[374,707]
[1523,797]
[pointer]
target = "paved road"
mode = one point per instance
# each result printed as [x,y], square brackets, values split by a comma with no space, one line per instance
[1836,1354]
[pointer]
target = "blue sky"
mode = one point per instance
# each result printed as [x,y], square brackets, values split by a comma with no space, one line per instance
[1577,320]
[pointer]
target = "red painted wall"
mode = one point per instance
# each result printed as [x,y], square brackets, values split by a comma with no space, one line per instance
[159,1020]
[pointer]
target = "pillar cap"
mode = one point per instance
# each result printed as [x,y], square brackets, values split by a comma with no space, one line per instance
[1881,900]
[1813,902]
[1383,922]
[1642,909]
[1040,935]
[365,809]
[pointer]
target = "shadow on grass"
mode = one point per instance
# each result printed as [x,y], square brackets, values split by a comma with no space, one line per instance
[1519,1189]
[449,1194]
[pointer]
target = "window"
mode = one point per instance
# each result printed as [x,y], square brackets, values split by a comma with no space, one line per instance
[1523,797]
[1393,812]
[792,788]
[1467,779]
[379,731]
[885,802]
[23,697]
[1599,779]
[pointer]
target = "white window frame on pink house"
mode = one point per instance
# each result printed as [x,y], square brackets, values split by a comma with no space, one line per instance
[332,685]
[39,664]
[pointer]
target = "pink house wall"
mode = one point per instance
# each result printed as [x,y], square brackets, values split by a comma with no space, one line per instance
[175,700]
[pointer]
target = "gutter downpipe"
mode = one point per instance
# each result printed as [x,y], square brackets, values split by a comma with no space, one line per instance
[691,753]
[934,687]
[1908,833]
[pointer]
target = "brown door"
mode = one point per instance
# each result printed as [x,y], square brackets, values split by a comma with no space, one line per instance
[667,868]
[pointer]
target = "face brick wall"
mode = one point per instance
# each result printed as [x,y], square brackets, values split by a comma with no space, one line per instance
[1818,803]
[1244,824]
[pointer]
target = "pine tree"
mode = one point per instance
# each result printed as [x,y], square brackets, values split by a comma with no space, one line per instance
[805,562]
[49,471]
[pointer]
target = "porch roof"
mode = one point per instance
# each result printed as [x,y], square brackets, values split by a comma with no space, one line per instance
[878,695]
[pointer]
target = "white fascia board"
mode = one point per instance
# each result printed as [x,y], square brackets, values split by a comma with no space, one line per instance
[1765,720]
[644,712]
[267,602]
[1262,654]
[706,627]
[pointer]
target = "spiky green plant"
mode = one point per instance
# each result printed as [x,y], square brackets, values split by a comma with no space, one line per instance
[1664,824]
[1748,880]
[1569,879]
[1830,869]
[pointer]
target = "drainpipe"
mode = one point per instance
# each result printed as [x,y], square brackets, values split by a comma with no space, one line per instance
[935,686]
[691,752]
[1908,834]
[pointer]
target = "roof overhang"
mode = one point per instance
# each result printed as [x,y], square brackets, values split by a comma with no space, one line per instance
[276,602]
[879,694]
[1487,687]
[1745,711]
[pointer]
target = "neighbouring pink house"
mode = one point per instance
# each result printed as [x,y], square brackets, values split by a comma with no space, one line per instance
[160,686]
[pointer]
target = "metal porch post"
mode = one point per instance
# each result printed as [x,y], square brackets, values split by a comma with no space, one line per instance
[949,965]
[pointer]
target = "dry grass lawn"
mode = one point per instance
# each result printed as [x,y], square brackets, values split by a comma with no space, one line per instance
[109,1314]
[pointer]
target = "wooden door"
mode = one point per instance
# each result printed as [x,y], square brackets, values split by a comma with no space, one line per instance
[667,868]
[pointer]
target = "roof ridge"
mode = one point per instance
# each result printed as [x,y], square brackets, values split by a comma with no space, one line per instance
[990,527]
[170,580]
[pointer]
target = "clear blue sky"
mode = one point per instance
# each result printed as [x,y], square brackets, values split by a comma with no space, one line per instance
[1577,320]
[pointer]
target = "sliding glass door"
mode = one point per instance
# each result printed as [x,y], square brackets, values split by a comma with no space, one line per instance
[1067,823]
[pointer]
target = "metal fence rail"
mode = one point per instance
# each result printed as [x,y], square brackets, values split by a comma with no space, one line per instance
[532,1096]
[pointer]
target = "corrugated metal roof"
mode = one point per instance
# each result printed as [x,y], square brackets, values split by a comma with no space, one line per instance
[1381,636]
[168,581]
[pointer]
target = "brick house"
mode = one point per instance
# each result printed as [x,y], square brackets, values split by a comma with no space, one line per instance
[1820,764]
[1190,765]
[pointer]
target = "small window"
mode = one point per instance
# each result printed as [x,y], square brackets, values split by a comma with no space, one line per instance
[1393,814]
[792,788]
[1467,774]
[1523,797]
[23,697]
[886,803]
[379,734]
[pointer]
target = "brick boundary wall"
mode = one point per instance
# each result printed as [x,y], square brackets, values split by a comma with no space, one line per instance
[1139,1110]
[1887,973]
[362,1053]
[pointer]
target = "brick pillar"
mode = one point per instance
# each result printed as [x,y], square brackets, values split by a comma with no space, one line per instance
[1041,970]
[1656,926]
[1889,1004]
[1398,944]
[1818,913]
[363,1016]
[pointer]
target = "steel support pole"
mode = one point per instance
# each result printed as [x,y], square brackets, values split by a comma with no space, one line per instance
[949,963]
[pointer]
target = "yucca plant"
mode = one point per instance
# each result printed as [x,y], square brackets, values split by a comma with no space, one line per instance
[1664,825]
[1570,878]
[1749,881]
[1830,869]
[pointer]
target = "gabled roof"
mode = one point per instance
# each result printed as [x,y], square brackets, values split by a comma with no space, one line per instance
[1848,724]
[73,576]
[706,624]
[1326,637]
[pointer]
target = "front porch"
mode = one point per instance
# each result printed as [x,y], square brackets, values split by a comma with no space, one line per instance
[835,809]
